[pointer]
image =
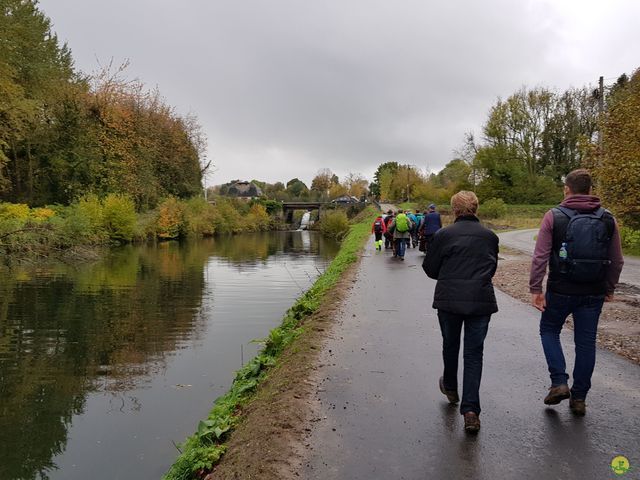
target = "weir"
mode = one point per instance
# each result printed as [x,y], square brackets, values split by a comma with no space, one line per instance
[289,207]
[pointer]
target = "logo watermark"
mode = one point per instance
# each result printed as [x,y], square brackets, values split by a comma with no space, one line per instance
[620,465]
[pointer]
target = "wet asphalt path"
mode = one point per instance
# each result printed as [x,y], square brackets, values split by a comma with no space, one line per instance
[524,240]
[383,417]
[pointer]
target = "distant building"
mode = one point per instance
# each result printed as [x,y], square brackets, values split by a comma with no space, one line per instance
[345,199]
[243,190]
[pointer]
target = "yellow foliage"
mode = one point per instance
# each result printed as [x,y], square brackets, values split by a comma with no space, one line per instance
[171,219]
[619,171]
[257,219]
[14,211]
[42,214]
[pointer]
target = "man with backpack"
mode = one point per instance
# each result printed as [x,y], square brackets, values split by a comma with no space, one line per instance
[378,229]
[580,242]
[388,235]
[401,232]
[413,228]
[416,231]
[431,223]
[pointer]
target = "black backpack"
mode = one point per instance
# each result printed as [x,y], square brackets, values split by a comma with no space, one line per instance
[582,254]
[377,226]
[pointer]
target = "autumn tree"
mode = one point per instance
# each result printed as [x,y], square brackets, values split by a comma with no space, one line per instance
[297,189]
[356,185]
[63,134]
[531,140]
[380,187]
[322,182]
[618,168]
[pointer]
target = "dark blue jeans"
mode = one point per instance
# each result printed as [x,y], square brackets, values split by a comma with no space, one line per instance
[475,331]
[586,312]
[401,245]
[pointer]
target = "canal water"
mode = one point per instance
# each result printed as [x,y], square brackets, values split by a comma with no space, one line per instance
[103,366]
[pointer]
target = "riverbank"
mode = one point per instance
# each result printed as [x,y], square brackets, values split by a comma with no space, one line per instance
[56,230]
[273,381]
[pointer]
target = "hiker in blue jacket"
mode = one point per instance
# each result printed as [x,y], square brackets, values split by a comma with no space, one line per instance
[415,222]
[431,223]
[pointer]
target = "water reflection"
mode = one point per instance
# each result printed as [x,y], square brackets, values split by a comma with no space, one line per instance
[112,332]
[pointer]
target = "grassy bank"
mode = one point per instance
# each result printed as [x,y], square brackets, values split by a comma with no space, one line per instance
[204,449]
[90,221]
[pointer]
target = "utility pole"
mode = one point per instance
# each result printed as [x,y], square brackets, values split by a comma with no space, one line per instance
[601,95]
[600,116]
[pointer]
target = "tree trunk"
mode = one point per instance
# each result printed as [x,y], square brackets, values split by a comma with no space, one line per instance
[29,174]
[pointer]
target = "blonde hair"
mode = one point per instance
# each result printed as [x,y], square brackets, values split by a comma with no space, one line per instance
[464,203]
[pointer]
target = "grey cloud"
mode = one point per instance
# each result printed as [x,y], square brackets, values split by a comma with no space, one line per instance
[284,88]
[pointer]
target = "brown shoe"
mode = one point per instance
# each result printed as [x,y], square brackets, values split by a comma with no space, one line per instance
[578,407]
[471,422]
[452,395]
[557,394]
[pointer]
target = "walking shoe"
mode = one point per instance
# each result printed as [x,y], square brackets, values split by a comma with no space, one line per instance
[471,422]
[578,407]
[452,395]
[557,394]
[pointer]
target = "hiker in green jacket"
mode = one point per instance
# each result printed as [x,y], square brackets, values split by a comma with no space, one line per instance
[401,227]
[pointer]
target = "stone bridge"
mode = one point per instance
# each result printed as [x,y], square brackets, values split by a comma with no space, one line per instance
[289,207]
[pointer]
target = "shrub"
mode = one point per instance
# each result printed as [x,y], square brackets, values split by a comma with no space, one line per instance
[227,218]
[172,221]
[14,211]
[257,219]
[74,226]
[41,214]
[200,216]
[630,239]
[91,208]
[272,206]
[119,217]
[335,224]
[493,208]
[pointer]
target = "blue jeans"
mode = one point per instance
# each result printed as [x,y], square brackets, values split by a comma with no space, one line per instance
[401,245]
[586,312]
[475,331]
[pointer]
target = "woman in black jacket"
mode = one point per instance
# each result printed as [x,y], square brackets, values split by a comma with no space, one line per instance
[463,259]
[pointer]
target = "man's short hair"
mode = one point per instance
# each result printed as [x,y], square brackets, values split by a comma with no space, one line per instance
[579,181]
[464,203]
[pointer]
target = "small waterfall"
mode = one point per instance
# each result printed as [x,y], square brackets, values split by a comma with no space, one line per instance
[304,223]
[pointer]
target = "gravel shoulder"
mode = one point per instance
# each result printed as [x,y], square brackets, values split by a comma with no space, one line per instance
[619,328]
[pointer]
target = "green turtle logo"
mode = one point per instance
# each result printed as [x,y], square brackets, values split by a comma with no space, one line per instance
[620,465]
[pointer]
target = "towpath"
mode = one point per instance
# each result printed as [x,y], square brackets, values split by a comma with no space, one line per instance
[381,415]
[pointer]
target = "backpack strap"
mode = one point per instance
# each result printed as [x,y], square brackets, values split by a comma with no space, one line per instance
[567,211]
[599,213]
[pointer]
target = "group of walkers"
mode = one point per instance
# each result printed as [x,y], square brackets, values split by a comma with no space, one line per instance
[404,230]
[578,243]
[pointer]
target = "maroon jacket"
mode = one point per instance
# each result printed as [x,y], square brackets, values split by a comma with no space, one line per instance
[542,252]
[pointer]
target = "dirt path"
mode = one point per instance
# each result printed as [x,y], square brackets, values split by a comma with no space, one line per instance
[619,327]
[524,241]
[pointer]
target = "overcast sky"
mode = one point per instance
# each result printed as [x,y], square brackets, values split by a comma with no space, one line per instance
[283,88]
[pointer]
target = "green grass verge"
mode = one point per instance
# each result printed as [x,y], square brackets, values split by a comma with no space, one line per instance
[203,450]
